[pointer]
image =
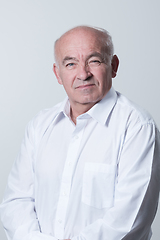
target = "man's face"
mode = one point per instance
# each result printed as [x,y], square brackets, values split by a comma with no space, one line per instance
[82,70]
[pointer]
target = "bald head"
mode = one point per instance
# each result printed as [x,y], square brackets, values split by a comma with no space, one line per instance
[100,36]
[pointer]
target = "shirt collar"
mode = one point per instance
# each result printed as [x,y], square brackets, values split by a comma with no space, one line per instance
[63,110]
[99,112]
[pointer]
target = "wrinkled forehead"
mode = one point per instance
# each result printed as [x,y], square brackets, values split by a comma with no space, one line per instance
[78,41]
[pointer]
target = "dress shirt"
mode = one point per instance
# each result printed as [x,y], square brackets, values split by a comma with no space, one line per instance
[98,179]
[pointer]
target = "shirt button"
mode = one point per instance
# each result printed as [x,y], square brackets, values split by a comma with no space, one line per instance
[64,193]
[75,138]
[69,163]
[60,221]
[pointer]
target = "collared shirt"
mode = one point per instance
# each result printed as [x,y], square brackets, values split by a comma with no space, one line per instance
[98,179]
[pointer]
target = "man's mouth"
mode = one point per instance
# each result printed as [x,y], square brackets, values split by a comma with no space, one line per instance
[85,86]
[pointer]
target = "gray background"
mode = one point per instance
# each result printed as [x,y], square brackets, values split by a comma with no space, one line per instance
[28,29]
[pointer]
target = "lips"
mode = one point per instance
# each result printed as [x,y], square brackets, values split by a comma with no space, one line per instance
[85,86]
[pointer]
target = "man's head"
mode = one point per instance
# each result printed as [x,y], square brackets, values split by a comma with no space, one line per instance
[85,65]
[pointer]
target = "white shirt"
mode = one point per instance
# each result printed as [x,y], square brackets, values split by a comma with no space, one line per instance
[96,180]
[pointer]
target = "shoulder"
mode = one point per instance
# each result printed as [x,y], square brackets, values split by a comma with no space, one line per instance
[45,116]
[134,121]
[133,111]
[39,124]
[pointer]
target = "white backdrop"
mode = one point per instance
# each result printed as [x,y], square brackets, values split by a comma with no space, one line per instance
[28,29]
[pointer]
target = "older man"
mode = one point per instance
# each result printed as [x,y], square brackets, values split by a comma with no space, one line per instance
[88,168]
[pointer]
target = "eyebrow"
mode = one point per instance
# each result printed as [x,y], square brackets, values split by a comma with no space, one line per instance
[68,58]
[94,54]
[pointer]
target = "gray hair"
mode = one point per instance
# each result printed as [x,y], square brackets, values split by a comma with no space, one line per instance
[103,36]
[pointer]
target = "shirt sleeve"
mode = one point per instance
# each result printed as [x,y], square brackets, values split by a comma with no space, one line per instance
[17,210]
[136,189]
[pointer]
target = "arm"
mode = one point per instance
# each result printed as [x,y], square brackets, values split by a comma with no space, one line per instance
[18,212]
[136,189]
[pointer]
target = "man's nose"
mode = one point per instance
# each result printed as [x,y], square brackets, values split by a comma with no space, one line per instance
[83,72]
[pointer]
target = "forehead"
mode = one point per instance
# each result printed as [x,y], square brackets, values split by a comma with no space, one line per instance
[78,43]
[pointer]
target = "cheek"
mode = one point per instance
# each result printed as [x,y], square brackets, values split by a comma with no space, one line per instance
[68,79]
[104,81]
[67,83]
[101,78]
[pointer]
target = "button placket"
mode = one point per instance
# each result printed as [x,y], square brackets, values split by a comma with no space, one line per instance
[67,175]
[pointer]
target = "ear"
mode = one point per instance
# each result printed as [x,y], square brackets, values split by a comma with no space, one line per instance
[56,72]
[115,64]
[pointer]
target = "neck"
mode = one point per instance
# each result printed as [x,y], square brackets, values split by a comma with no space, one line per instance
[79,109]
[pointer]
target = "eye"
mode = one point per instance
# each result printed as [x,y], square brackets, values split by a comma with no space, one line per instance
[94,63]
[70,65]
